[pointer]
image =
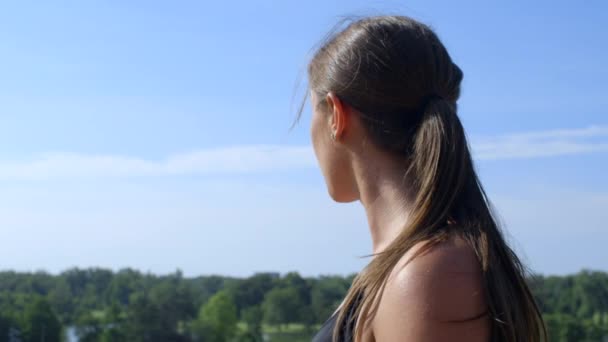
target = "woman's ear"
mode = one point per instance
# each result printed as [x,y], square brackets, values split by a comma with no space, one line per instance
[338,115]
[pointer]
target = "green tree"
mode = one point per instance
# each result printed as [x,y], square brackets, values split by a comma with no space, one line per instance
[172,297]
[304,313]
[88,328]
[144,320]
[5,326]
[217,319]
[113,325]
[327,293]
[40,323]
[253,316]
[155,314]
[564,328]
[104,325]
[282,306]
[251,291]
[61,300]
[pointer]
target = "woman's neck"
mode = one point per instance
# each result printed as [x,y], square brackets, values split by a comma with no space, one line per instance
[383,192]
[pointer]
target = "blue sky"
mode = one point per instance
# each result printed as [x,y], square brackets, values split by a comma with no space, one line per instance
[155,135]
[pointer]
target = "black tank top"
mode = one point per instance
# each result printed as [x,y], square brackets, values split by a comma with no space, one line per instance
[326,332]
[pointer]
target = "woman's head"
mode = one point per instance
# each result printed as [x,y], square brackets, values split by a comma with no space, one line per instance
[386,68]
[390,80]
[375,80]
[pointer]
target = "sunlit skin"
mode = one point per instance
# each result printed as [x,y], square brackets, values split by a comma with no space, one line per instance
[424,300]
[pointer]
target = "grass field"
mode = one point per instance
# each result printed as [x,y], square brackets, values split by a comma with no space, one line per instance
[290,337]
[285,333]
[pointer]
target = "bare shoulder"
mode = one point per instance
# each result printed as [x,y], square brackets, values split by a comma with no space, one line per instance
[445,279]
[434,293]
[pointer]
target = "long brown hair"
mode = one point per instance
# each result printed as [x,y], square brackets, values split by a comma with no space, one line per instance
[397,74]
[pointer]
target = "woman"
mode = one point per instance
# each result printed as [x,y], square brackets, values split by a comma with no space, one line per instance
[385,132]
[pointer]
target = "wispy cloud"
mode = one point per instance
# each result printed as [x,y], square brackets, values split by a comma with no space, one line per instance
[542,143]
[266,158]
[229,160]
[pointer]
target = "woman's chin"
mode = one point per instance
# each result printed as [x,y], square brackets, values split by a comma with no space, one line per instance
[341,197]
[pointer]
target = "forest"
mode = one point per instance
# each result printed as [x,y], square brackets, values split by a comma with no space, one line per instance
[95,304]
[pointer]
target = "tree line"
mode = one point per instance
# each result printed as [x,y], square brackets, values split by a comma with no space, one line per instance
[101,305]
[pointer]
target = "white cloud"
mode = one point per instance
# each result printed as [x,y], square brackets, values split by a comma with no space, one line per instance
[265,158]
[238,159]
[542,144]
